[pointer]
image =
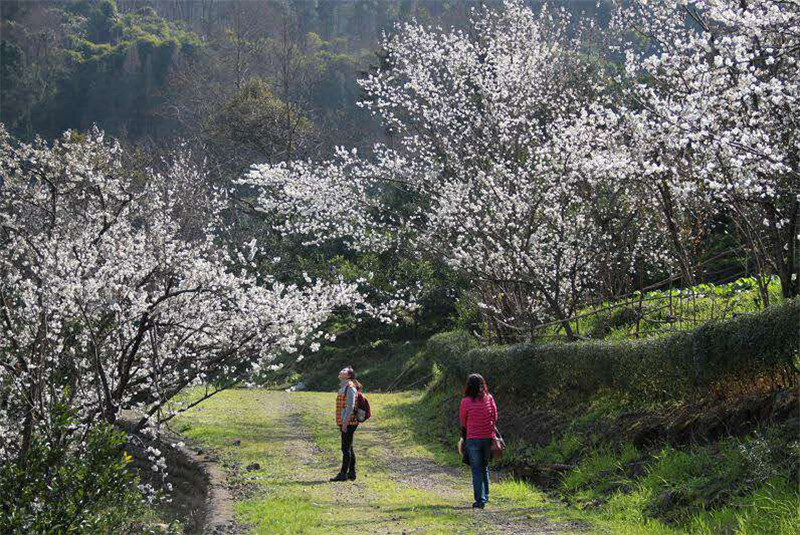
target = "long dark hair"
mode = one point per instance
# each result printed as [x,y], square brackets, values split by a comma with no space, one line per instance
[351,374]
[476,386]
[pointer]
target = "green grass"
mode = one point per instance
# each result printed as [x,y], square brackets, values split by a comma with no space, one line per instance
[686,310]
[600,472]
[773,507]
[736,486]
[560,450]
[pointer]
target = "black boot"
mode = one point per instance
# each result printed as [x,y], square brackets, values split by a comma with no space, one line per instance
[341,476]
[351,475]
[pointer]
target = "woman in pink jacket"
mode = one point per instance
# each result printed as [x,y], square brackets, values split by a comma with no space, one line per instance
[478,419]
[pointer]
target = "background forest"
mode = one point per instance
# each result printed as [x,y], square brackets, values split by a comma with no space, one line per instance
[152,70]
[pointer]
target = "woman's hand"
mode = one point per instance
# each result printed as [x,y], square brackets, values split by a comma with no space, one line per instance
[461,446]
[344,428]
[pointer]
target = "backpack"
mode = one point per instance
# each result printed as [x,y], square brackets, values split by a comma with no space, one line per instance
[362,408]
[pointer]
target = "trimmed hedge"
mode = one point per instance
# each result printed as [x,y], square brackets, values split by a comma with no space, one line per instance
[675,366]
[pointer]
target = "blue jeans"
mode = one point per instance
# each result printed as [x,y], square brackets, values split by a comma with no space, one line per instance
[479,451]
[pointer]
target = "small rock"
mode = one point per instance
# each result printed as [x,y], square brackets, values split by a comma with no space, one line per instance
[237,442]
[299,387]
[253,466]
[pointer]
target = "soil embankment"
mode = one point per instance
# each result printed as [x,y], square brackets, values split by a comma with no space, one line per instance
[199,497]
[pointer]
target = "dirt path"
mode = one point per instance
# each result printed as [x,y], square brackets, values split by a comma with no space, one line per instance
[400,488]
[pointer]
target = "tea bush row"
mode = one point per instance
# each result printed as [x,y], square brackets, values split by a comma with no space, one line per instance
[671,367]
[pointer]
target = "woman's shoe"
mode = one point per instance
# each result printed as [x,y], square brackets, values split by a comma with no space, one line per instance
[477,505]
[341,476]
[351,476]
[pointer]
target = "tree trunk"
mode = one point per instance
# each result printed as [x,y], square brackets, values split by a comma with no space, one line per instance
[684,260]
[790,269]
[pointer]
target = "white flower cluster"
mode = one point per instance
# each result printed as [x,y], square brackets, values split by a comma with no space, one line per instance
[545,175]
[484,145]
[712,116]
[114,294]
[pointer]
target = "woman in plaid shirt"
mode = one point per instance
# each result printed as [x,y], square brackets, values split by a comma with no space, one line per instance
[347,422]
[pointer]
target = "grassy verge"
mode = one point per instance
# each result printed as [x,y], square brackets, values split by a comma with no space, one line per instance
[733,486]
[736,485]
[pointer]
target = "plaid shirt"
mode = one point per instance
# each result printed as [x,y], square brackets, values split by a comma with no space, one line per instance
[341,405]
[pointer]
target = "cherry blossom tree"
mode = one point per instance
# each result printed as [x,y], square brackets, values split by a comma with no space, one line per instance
[714,102]
[545,177]
[115,293]
[484,151]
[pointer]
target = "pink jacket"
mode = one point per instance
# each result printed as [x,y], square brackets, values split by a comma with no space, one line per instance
[479,416]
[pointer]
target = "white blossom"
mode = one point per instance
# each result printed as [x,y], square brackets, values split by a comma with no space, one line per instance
[115,294]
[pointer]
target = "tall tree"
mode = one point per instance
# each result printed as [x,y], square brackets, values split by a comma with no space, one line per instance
[715,116]
[482,156]
[115,294]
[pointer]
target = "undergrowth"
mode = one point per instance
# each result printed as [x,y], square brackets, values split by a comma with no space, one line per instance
[737,485]
[715,488]
[675,309]
[382,365]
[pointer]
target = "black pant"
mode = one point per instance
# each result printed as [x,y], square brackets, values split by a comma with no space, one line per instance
[348,455]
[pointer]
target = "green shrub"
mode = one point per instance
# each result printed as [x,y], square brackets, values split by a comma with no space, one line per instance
[446,347]
[61,488]
[749,345]
[672,367]
[395,364]
[618,318]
